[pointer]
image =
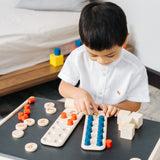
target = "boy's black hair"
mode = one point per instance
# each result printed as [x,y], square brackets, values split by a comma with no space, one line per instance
[102,25]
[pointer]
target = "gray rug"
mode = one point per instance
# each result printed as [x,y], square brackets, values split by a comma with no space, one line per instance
[151,110]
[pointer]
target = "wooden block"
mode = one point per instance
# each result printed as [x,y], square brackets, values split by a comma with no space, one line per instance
[122,115]
[121,124]
[137,119]
[127,122]
[69,103]
[127,131]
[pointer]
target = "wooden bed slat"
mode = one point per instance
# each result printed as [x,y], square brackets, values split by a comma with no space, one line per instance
[28,77]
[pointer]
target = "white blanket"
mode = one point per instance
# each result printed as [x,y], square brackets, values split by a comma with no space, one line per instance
[27,37]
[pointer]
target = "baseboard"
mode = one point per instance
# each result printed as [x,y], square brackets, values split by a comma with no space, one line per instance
[153,77]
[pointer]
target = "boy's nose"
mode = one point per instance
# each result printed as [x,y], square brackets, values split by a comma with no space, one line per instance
[100,60]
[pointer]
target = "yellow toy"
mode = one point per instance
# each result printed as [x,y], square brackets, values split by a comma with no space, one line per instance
[56,59]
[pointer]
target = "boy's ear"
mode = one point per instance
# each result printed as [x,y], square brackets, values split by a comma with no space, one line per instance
[125,42]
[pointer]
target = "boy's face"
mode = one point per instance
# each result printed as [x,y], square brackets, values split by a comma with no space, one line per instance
[105,57]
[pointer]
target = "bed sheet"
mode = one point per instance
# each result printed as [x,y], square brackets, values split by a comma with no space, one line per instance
[27,37]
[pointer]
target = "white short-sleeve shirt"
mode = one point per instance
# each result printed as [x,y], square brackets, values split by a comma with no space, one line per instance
[124,79]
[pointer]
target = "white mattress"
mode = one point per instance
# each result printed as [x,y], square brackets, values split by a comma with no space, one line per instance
[27,37]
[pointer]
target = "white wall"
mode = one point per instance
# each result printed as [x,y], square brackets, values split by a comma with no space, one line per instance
[144,28]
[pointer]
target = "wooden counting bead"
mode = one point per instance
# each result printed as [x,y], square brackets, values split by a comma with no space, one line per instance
[31,147]
[20,114]
[74,117]
[63,115]
[31,100]
[29,121]
[27,111]
[69,122]
[43,122]
[21,126]
[17,133]
[51,110]
[25,116]
[108,143]
[87,142]
[49,104]
[27,106]
[99,142]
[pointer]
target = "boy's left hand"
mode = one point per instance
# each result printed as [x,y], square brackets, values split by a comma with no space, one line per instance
[109,110]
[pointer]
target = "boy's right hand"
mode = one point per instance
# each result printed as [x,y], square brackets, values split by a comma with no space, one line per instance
[83,101]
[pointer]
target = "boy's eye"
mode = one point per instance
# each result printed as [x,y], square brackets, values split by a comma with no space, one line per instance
[92,55]
[110,56]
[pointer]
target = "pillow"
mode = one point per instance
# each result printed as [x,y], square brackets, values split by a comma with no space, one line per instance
[53,5]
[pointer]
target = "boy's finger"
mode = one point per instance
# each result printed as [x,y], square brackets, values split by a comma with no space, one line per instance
[88,109]
[94,106]
[83,108]
[77,107]
[113,111]
[109,111]
[105,110]
[116,114]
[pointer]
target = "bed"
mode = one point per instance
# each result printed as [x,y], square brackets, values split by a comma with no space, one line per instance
[27,38]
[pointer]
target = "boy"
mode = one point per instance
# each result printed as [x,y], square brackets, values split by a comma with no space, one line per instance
[110,77]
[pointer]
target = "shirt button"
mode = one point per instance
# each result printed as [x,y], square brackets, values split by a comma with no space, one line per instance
[100,93]
[104,74]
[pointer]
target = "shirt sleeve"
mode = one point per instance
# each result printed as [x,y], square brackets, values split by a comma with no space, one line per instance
[138,89]
[69,72]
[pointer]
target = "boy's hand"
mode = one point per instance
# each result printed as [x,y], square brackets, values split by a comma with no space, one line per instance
[83,102]
[109,110]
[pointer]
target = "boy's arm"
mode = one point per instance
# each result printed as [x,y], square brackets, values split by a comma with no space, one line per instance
[125,105]
[111,110]
[129,105]
[82,98]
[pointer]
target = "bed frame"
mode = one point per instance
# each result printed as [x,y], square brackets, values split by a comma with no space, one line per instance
[31,76]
